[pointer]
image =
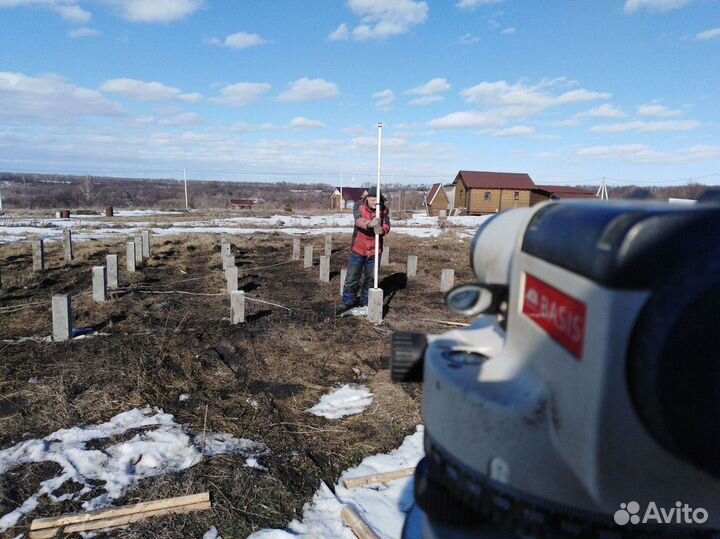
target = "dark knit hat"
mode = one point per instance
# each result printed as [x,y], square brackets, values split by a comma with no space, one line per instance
[372,192]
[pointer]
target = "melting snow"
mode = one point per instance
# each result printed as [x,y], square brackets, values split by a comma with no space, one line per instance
[382,506]
[162,446]
[348,400]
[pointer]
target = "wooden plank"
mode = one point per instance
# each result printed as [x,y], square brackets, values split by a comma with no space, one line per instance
[359,527]
[72,518]
[114,522]
[353,482]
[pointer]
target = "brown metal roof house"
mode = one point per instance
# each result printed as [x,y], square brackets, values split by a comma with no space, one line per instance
[556,192]
[349,196]
[480,193]
[242,203]
[436,201]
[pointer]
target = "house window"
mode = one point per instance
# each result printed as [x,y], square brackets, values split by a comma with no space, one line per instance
[517,195]
[488,195]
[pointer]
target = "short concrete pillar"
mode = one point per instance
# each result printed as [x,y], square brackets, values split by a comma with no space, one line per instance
[138,251]
[324,269]
[447,279]
[146,243]
[228,261]
[99,280]
[231,277]
[296,249]
[328,244]
[112,263]
[130,257]
[375,305]
[237,307]
[308,257]
[62,317]
[38,255]
[411,270]
[67,245]
[385,256]
[225,249]
[343,276]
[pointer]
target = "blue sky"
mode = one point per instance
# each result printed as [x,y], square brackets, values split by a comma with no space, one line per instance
[569,91]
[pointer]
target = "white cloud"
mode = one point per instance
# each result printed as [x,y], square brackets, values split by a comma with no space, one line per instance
[238,40]
[536,97]
[306,89]
[83,32]
[658,111]
[155,10]
[341,33]
[384,99]
[381,19]
[184,118]
[631,6]
[515,131]
[468,39]
[50,98]
[469,119]
[646,127]
[432,87]
[241,94]
[73,13]
[147,91]
[508,31]
[504,102]
[428,92]
[304,123]
[642,153]
[472,4]
[709,34]
[245,127]
[603,111]
[425,100]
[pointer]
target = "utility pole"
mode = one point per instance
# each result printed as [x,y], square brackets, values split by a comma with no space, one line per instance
[0,196]
[187,207]
[342,202]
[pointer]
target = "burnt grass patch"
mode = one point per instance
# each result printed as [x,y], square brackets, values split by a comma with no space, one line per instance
[167,333]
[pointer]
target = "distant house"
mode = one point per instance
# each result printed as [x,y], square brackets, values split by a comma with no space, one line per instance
[558,192]
[480,193]
[346,197]
[436,201]
[242,203]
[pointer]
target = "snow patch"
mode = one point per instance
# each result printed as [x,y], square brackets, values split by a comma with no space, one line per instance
[383,506]
[159,446]
[348,400]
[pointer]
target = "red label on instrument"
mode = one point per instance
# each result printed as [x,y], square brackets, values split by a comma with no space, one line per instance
[561,316]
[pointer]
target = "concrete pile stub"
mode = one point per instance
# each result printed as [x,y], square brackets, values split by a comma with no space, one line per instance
[447,280]
[411,270]
[231,277]
[325,269]
[308,257]
[112,263]
[99,281]
[38,255]
[67,245]
[62,317]
[296,249]
[237,307]
[375,305]
[130,257]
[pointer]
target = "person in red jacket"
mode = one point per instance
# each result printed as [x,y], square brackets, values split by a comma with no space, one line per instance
[361,266]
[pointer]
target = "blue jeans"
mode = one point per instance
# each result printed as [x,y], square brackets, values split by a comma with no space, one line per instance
[360,275]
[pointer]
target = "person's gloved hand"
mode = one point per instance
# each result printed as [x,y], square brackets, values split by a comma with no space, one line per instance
[378,230]
[374,223]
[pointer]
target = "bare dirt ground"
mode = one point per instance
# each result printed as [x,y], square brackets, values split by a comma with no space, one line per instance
[163,343]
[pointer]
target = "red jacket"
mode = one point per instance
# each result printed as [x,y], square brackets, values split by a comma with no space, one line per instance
[363,240]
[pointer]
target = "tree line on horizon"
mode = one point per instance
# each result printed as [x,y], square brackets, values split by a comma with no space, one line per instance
[60,191]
